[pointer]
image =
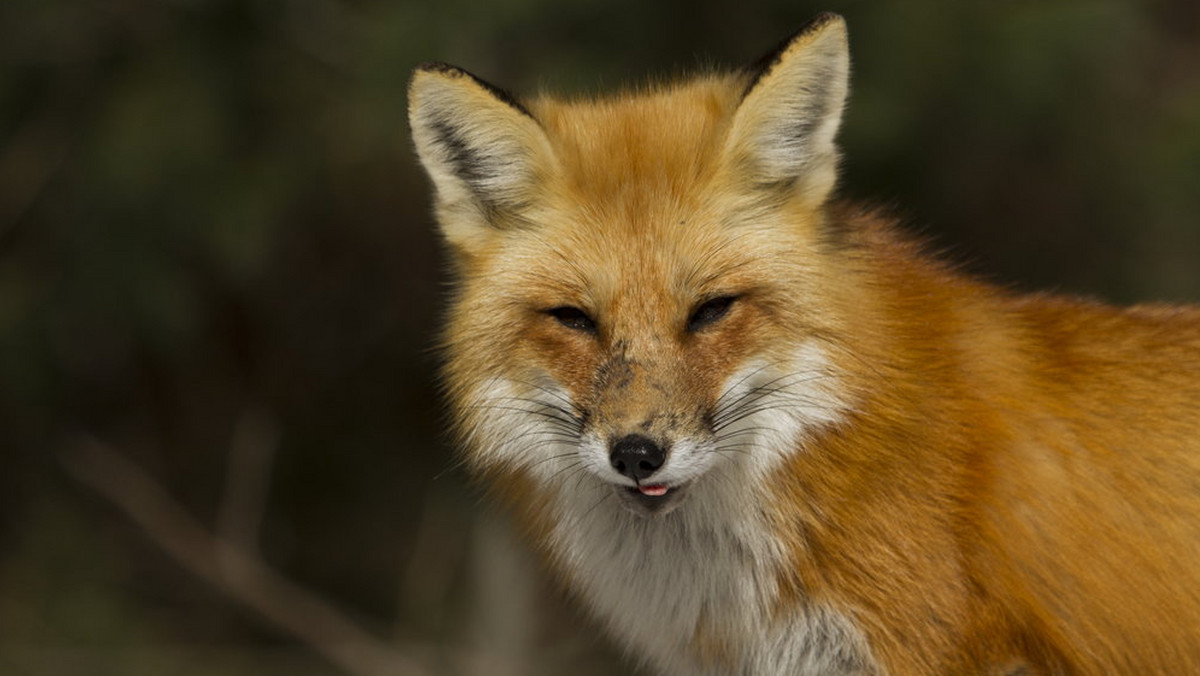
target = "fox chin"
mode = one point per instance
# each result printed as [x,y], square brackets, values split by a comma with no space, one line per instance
[756,429]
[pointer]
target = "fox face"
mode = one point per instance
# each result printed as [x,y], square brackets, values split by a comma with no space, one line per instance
[644,376]
[634,272]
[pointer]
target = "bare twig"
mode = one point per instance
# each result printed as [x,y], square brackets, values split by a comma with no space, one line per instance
[227,566]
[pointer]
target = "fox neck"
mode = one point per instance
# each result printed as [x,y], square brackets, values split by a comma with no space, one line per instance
[698,588]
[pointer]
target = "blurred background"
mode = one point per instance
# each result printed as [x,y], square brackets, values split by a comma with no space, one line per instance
[220,439]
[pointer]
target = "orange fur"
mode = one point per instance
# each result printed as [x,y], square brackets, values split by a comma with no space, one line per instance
[976,482]
[1023,473]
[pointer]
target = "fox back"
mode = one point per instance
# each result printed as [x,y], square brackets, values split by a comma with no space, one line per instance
[756,430]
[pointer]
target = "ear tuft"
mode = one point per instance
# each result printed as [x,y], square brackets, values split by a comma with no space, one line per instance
[481,147]
[768,61]
[784,129]
[454,71]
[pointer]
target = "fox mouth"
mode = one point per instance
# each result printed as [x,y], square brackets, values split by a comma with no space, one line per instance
[648,498]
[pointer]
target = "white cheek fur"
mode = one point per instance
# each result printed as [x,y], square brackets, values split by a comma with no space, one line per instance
[531,429]
[768,410]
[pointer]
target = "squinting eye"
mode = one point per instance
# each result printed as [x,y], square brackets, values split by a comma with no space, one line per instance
[708,312]
[573,318]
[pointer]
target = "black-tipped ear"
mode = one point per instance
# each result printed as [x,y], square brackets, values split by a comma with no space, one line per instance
[481,147]
[784,129]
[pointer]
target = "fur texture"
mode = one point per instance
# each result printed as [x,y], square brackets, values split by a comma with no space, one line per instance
[871,463]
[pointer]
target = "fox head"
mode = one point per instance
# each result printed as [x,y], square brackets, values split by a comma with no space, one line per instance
[644,289]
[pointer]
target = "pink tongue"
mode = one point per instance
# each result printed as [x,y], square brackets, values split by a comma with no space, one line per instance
[654,490]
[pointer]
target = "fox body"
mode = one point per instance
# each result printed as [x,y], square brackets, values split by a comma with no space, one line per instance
[758,431]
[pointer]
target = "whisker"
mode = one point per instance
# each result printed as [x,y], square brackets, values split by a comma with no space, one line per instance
[745,430]
[743,450]
[777,394]
[605,495]
[557,395]
[779,384]
[577,465]
[579,475]
[569,413]
[742,415]
[557,456]
[729,390]
[568,424]
[751,392]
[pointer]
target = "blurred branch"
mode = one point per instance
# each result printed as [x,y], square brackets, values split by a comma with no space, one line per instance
[227,565]
[439,549]
[251,452]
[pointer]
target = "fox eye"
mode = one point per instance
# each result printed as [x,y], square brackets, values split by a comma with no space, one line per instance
[708,312]
[573,318]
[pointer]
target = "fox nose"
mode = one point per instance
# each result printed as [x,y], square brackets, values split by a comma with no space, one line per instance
[636,456]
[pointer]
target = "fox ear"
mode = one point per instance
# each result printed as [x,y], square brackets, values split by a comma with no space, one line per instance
[783,130]
[481,148]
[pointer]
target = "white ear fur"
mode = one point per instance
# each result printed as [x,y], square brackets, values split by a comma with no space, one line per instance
[481,148]
[783,131]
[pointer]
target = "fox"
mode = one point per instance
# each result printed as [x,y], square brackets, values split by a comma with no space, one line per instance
[756,428]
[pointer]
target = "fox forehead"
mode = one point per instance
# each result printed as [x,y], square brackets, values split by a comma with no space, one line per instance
[633,154]
[638,199]
[635,200]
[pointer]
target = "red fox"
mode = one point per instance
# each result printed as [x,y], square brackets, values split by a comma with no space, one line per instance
[757,430]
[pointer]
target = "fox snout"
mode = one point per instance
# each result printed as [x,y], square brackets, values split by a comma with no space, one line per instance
[636,457]
[656,488]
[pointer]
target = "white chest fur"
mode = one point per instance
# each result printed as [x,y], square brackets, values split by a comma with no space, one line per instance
[692,591]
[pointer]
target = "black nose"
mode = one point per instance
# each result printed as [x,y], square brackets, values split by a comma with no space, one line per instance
[636,457]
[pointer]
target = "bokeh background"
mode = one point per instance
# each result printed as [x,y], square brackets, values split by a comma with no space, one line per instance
[221,450]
